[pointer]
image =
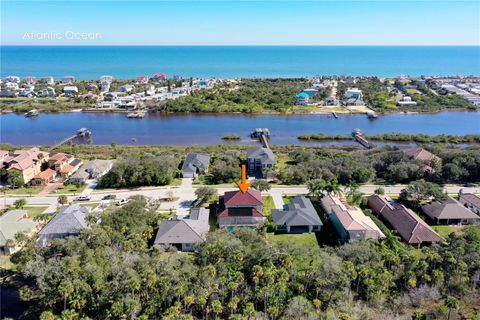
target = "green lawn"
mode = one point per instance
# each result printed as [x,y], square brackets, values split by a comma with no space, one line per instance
[287,199]
[34,211]
[268,205]
[27,190]
[444,231]
[71,189]
[308,239]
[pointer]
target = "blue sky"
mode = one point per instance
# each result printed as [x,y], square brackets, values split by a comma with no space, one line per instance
[241,22]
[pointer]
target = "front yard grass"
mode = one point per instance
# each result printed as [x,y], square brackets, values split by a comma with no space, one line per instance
[307,239]
[268,205]
[27,190]
[34,211]
[444,231]
[70,189]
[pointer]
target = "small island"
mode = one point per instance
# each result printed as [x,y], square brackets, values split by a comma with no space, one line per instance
[231,137]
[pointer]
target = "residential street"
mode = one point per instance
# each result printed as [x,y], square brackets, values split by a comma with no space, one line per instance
[186,194]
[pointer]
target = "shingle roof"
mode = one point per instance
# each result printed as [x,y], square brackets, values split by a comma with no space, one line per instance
[237,198]
[419,154]
[299,213]
[69,221]
[351,218]
[98,165]
[13,222]
[188,230]
[448,209]
[264,154]
[194,161]
[408,224]
[471,198]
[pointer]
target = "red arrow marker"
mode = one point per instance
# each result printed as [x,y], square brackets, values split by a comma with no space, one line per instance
[244,184]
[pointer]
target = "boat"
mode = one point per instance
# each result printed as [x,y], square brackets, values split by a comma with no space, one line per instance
[372,115]
[31,113]
[136,115]
[334,114]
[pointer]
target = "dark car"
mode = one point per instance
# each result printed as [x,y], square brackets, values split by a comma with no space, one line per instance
[109,197]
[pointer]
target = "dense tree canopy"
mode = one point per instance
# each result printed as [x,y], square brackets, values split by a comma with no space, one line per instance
[141,170]
[110,271]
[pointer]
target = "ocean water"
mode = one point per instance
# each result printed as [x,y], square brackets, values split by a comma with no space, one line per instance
[122,62]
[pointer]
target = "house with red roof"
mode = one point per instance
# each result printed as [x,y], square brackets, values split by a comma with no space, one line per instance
[143,79]
[160,77]
[239,209]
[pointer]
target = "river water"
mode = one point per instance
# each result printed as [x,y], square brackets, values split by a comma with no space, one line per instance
[208,129]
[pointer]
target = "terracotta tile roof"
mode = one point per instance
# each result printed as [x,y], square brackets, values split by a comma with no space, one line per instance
[46,175]
[237,198]
[67,169]
[408,224]
[351,218]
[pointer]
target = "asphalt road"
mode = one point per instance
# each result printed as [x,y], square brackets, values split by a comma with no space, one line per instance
[186,194]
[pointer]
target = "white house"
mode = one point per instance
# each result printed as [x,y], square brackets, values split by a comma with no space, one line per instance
[127,88]
[354,93]
[406,102]
[70,91]
[68,79]
[14,79]
[48,80]
[11,86]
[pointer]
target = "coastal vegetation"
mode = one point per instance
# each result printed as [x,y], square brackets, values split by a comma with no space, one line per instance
[110,271]
[140,170]
[399,137]
[296,164]
[246,96]
[379,98]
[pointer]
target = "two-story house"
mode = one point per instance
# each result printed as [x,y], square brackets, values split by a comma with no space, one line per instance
[239,209]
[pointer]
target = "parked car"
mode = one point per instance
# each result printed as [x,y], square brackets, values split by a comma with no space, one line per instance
[84,198]
[122,202]
[109,197]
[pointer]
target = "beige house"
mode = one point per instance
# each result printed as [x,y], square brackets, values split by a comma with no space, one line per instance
[27,162]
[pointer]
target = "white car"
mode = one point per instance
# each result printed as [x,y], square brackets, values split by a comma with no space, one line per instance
[122,202]
[84,198]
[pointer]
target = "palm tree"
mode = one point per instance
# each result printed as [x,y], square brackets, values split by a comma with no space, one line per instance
[451,303]
[316,188]
[333,188]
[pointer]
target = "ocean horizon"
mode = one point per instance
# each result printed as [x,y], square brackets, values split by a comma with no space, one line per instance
[237,61]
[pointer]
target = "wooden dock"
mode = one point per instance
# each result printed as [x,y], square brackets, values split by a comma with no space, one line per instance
[263,135]
[357,135]
[81,133]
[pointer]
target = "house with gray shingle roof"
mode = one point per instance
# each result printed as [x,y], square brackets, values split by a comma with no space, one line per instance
[449,211]
[194,164]
[184,233]
[92,170]
[407,223]
[470,201]
[11,223]
[260,159]
[67,223]
[297,217]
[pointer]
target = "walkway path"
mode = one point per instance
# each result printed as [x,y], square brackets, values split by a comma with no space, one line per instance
[277,199]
